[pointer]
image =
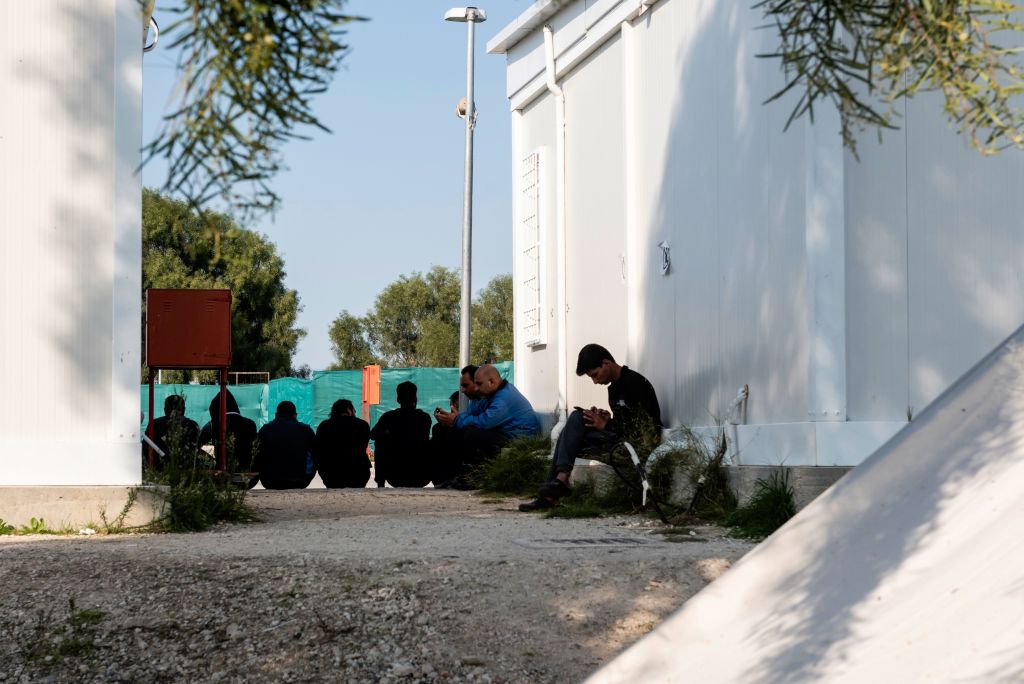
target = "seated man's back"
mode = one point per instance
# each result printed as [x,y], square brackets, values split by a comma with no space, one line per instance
[401,440]
[239,432]
[284,454]
[341,442]
[174,434]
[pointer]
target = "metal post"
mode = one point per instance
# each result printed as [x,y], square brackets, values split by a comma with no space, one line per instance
[150,429]
[222,429]
[467,208]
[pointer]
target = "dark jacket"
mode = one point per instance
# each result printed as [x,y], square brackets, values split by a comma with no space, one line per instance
[177,438]
[240,435]
[634,404]
[506,411]
[284,455]
[340,453]
[400,442]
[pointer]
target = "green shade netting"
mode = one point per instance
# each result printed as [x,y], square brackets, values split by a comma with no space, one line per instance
[313,398]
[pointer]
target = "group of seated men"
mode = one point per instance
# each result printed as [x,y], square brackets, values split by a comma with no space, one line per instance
[286,453]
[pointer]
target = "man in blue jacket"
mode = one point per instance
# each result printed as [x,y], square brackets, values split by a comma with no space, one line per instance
[501,414]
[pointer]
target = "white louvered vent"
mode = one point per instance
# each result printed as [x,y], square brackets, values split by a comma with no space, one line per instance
[530,264]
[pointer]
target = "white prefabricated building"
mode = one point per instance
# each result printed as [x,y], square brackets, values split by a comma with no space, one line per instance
[663,210]
[70,242]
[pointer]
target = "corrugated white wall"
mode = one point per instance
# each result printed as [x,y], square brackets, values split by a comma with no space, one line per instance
[70,241]
[846,294]
[595,216]
[935,261]
[536,367]
[724,185]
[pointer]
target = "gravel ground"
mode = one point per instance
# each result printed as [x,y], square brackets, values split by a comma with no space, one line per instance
[349,586]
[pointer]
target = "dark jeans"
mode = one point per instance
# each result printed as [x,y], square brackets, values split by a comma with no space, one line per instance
[481,445]
[579,438]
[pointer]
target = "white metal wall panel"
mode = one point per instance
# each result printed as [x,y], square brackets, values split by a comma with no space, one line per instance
[762,223]
[876,278]
[66,231]
[537,367]
[595,216]
[966,250]
[724,186]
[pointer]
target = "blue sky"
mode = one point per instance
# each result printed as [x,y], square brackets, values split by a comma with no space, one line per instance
[382,195]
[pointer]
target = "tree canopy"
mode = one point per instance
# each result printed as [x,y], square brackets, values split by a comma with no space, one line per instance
[863,55]
[184,249]
[415,322]
[250,70]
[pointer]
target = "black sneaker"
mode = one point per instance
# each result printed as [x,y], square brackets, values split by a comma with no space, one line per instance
[538,504]
[555,489]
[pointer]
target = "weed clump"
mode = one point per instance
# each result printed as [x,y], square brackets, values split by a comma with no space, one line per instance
[518,469]
[197,496]
[772,504]
[54,641]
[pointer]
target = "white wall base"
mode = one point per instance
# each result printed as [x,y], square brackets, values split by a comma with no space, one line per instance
[25,462]
[802,444]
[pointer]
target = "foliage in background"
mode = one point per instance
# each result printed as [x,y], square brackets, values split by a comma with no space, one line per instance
[863,55]
[492,337]
[249,73]
[183,248]
[772,504]
[415,322]
[348,342]
[517,470]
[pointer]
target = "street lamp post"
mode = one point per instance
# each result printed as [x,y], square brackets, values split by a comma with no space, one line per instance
[470,16]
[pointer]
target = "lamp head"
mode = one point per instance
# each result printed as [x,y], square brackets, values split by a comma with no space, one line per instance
[464,14]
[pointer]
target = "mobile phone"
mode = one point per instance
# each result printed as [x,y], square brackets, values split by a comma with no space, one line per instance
[437,410]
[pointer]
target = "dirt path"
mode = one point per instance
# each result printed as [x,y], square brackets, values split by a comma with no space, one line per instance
[349,585]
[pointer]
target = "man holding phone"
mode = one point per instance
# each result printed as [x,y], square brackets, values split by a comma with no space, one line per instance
[635,407]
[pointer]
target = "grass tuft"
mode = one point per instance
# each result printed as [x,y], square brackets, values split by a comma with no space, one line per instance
[517,470]
[772,504]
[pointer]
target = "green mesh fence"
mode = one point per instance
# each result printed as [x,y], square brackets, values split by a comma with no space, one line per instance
[313,398]
[252,401]
[329,387]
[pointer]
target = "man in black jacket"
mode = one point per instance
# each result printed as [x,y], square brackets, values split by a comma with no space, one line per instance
[400,443]
[175,435]
[636,414]
[341,443]
[240,435]
[284,455]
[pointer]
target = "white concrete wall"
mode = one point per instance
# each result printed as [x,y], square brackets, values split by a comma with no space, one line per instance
[70,242]
[845,294]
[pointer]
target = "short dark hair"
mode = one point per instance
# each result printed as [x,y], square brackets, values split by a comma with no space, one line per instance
[591,356]
[406,393]
[454,399]
[286,408]
[339,408]
[471,369]
[174,402]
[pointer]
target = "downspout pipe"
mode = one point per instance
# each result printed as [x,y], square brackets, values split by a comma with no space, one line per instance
[560,287]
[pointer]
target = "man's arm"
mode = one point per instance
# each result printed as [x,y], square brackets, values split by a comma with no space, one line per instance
[492,415]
